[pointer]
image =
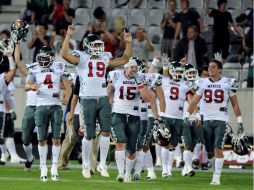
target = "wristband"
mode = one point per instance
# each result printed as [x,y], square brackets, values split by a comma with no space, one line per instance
[140,86]
[198,116]
[187,114]
[165,67]
[239,119]
[11,63]
[162,114]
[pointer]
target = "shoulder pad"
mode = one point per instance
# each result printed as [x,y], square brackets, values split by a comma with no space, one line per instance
[107,55]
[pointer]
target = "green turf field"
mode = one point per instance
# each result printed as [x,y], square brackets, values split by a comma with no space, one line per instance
[13,177]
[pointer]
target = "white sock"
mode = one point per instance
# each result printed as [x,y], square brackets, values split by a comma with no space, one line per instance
[3,148]
[129,166]
[43,152]
[55,154]
[158,151]
[170,160]
[212,163]
[187,158]
[120,157]
[218,165]
[86,146]
[29,151]
[149,160]
[204,154]
[104,146]
[177,151]
[196,151]
[138,162]
[164,159]
[10,145]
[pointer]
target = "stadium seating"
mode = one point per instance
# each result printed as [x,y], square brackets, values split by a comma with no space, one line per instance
[152,4]
[103,4]
[137,20]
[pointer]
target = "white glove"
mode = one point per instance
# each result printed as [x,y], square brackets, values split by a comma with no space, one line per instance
[217,56]
[165,61]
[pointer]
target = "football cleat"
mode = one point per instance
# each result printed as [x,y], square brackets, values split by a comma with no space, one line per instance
[184,171]
[191,173]
[86,171]
[28,165]
[204,166]
[120,178]
[196,164]
[44,174]
[5,157]
[127,178]
[16,159]
[54,173]
[151,175]
[136,177]
[103,170]
[216,179]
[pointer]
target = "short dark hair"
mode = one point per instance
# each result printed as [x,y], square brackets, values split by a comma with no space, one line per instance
[218,63]
[99,13]
[6,32]
[203,68]
[187,1]
[221,2]
[194,27]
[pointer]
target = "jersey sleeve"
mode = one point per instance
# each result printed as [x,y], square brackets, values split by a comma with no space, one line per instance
[83,57]
[199,87]
[233,87]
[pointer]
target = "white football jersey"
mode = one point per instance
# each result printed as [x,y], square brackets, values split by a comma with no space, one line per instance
[126,95]
[175,95]
[31,98]
[215,96]
[91,71]
[49,80]
[3,91]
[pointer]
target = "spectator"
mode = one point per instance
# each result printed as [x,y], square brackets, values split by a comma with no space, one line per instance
[193,48]
[186,18]
[62,15]
[141,45]
[39,40]
[4,61]
[221,18]
[109,42]
[39,9]
[168,26]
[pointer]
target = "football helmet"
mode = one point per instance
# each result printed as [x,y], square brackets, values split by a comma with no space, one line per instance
[19,30]
[93,44]
[141,64]
[239,143]
[162,136]
[6,45]
[190,72]
[176,70]
[46,56]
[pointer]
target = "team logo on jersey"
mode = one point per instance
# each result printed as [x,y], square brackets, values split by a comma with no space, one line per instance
[116,75]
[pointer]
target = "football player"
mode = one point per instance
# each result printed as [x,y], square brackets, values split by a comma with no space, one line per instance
[5,79]
[193,133]
[125,86]
[148,117]
[91,67]
[176,91]
[215,92]
[45,78]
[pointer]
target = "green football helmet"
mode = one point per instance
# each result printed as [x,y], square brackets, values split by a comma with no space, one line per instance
[190,72]
[176,70]
[141,64]
[46,56]
[93,45]
[19,30]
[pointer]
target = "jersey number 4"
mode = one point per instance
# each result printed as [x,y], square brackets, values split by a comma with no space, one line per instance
[218,94]
[130,95]
[100,69]
[48,81]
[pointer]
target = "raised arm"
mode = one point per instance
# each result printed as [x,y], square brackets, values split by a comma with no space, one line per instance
[127,52]
[65,54]
[21,67]
[9,76]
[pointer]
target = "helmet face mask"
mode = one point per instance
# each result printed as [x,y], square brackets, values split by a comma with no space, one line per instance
[176,71]
[190,72]
[46,56]
[93,45]
[6,45]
